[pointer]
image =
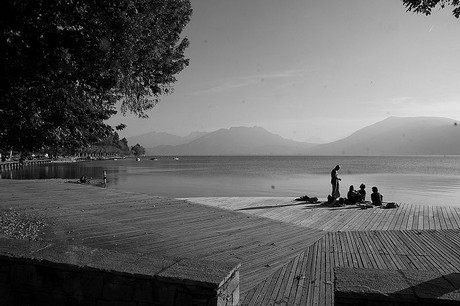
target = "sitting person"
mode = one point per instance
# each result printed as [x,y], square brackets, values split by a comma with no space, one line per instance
[353,196]
[362,193]
[376,197]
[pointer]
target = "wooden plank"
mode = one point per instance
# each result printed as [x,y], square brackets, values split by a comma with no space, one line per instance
[375,250]
[438,257]
[274,281]
[356,260]
[253,300]
[411,216]
[446,213]
[302,285]
[365,251]
[287,286]
[382,220]
[453,217]
[330,264]
[415,220]
[354,220]
[337,250]
[404,212]
[315,272]
[457,215]
[323,264]
[435,217]
[347,260]
[436,247]
[388,254]
[393,216]
[421,222]
[373,219]
[416,249]
[405,247]
[296,279]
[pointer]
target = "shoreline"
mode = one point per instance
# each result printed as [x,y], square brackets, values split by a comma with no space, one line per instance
[98,182]
[272,176]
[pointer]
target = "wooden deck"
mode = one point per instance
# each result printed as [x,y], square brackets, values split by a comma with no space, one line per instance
[129,222]
[413,237]
[288,249]
[308,279]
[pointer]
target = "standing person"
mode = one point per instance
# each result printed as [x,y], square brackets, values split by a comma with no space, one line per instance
[335,182]
[362,192]
[376,197]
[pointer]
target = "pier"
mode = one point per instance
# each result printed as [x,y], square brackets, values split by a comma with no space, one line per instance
[288,250]
[9,165]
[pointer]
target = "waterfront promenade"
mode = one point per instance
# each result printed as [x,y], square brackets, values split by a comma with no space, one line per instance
[288,250]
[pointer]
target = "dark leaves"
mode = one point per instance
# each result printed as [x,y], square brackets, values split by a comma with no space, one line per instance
[64,64]
[426,6]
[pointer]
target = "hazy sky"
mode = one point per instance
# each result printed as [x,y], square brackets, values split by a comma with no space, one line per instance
[309,70]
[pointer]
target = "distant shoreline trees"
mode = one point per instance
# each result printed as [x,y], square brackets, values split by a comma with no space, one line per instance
[64,64]
[138,150]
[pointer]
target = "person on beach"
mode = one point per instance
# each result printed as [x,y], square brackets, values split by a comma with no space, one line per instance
[353,196]
[362,193]
[376,197]
[335,182]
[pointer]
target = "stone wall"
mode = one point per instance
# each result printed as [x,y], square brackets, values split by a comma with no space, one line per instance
[46,274]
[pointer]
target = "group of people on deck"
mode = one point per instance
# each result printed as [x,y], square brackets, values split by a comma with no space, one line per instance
[353,196]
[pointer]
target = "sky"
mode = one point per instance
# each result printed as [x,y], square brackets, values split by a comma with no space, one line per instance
[313,71]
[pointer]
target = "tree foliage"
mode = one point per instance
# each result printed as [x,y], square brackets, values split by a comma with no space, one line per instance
[138,150]
[65,63]
[120,145]
[426,6]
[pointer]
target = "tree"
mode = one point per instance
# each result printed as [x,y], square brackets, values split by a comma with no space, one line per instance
[138,150]
[65,63]
[425,6]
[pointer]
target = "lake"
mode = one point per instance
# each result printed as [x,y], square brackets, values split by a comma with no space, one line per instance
[415,179]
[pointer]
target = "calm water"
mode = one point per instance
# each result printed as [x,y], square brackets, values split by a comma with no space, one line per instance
[425,180]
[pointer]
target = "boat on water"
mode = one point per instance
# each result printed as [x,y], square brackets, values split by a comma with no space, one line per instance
[154,158]
[176,158]
[138,159]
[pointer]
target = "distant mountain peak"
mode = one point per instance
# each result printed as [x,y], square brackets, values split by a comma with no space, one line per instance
[239,140]
[399,136]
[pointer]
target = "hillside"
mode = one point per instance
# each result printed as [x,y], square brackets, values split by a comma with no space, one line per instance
[399,136]
[153,139]
[236,141]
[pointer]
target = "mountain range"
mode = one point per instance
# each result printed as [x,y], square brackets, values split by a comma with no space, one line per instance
[235,141]
[153,139]
[392,136]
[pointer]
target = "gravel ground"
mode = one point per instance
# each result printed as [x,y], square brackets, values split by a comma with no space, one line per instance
[20,225]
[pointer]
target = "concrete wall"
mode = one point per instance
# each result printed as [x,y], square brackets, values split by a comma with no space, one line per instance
[46,274]
[357,286]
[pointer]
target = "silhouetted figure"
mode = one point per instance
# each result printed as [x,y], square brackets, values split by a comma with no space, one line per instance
[362,193]
[353,196]
[335,182]
[376,197]
[22,159]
